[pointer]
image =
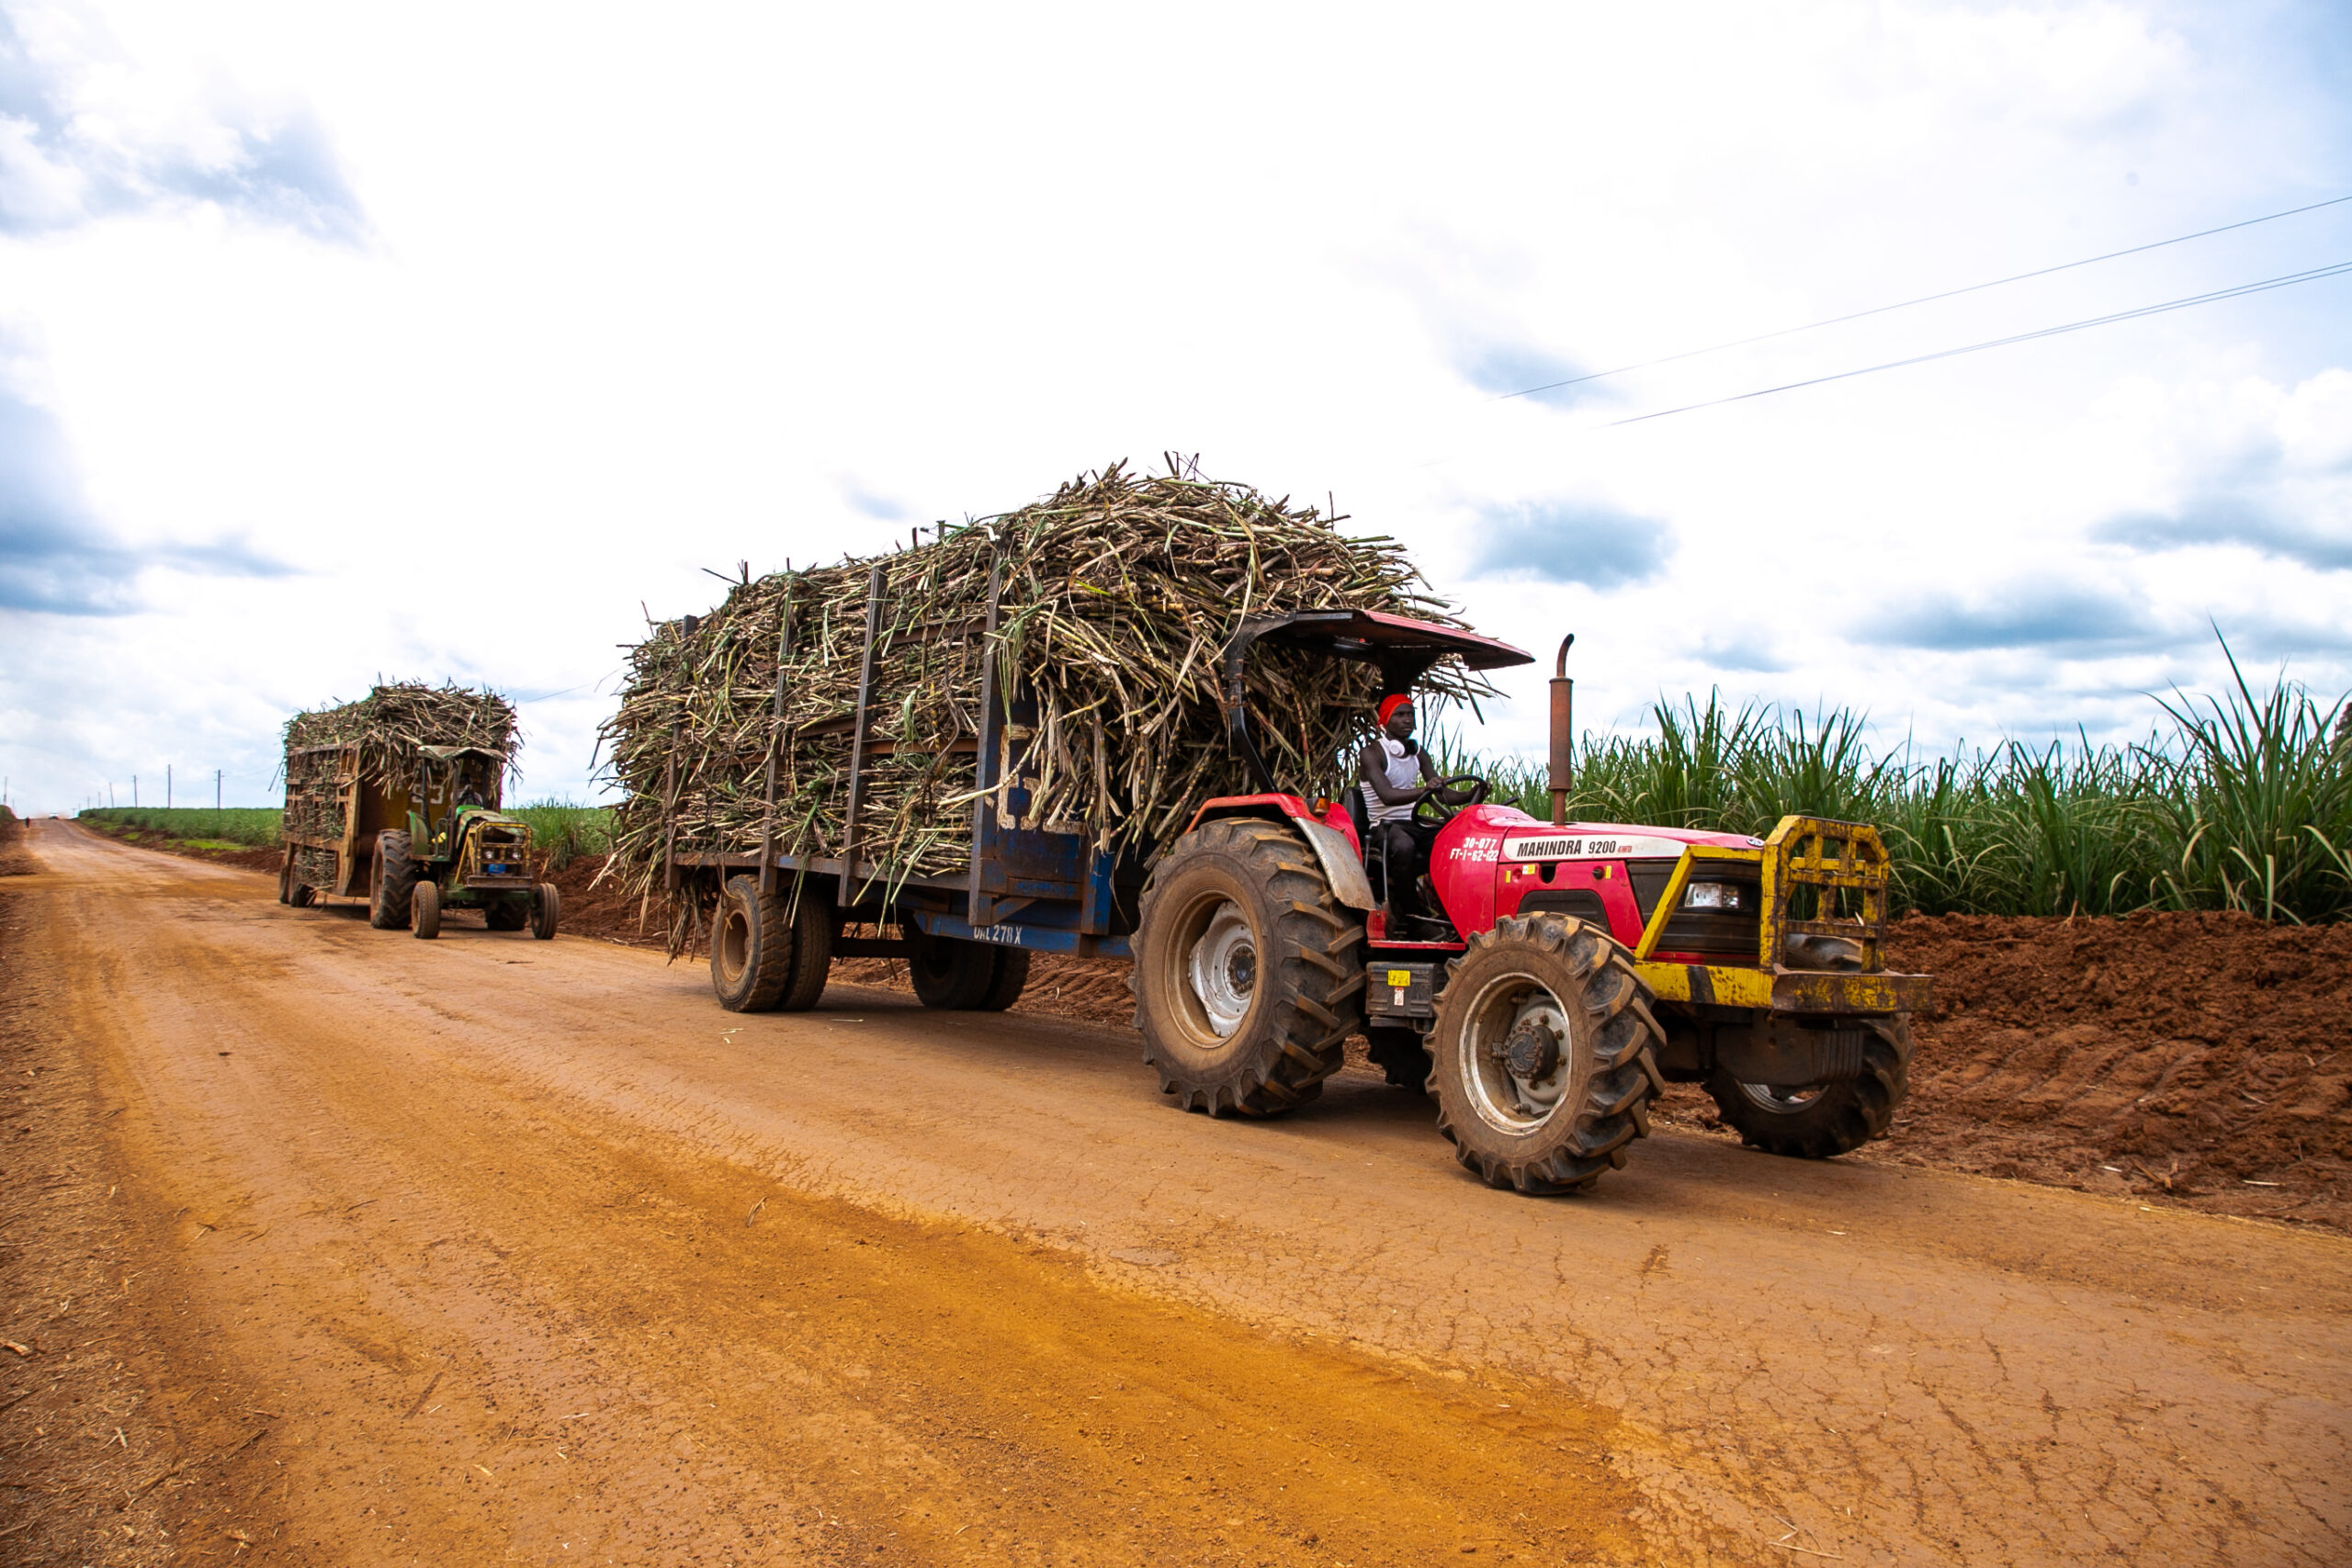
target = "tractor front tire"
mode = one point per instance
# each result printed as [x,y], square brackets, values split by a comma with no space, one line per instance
[547,909]
[750,947]
[1248,974]
[425,905]
[1824,1120]
[391,882]
[1546,1054]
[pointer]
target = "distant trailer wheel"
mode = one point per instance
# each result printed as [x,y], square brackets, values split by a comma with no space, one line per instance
[1011,979]
[510,914]
[425,905]
[547,909]
[303,896]
[286,879]
[1402,1057]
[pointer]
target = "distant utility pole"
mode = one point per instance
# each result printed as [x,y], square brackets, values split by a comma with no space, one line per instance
[167,786]
[134,792]
[216,789]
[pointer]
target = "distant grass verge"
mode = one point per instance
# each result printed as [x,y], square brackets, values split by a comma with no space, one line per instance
[233,828]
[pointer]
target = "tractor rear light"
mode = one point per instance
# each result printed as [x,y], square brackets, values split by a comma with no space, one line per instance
[1711,895]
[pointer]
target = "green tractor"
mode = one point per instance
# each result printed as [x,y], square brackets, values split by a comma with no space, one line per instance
[458,852]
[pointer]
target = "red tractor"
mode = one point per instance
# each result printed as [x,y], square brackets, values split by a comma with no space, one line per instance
[1552,976]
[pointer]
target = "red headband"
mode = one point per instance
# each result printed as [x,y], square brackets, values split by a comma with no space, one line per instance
[1389,705]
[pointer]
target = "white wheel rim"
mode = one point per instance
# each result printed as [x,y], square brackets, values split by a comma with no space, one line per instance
[1780,1101]
[1222,968]
[1502,1099]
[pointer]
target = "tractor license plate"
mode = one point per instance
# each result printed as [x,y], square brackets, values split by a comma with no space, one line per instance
[1400,990]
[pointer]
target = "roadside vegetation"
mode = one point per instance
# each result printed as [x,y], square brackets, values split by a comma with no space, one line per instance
[565,830]
[2241,802]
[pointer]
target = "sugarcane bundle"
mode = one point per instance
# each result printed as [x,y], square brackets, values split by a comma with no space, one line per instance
[387,726]
[1115,598]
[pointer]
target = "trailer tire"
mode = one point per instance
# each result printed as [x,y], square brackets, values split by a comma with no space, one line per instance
[1828,1119]
[303,896]
[426,908]
[951,972]
[812,951]
[547,909]
[1248,975]
[750,947]
[1011,979]
[508,914]
[1547,1054]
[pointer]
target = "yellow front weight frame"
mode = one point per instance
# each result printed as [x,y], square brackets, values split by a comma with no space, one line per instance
[1838,859]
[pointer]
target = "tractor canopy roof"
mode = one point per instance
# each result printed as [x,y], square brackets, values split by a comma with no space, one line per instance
[1403,647]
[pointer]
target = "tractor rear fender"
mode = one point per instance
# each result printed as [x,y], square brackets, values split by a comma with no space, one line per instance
[1332,851]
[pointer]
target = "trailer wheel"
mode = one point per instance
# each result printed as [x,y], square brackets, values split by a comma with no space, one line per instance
[547,909]
[1547,1054]
[812,951]
[1248,975]
[509,913]
[1825,1120]
[425,905]
[952,972]
[750,947]
[1011,979]
[303,896]
[391,882]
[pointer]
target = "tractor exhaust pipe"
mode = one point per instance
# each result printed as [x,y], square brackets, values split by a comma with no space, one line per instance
[1564,742]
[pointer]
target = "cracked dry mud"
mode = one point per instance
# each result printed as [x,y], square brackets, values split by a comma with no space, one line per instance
[490,1250]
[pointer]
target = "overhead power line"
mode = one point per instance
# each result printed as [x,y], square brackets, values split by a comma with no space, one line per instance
[2314,276]
[1923,300]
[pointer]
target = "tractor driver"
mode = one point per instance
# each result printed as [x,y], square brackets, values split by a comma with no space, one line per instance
[469,787]
[1396,776]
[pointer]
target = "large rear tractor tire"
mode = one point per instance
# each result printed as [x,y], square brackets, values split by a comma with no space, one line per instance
[1547,1054]
[391,882]
[425,907]
[1248,975]
[1824,1120]
[750,947]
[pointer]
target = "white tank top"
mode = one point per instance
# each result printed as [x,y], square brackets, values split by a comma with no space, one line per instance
[1404,772]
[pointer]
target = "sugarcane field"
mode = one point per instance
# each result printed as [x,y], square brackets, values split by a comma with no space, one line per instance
[1679,895]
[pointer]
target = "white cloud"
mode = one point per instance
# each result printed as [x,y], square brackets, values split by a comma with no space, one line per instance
[638,300]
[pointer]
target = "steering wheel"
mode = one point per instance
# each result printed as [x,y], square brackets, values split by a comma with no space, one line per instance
[1441,812]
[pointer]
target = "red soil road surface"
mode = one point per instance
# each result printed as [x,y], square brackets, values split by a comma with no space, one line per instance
[494,1250]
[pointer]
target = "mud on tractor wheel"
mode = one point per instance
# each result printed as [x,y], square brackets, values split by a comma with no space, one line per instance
[1547,1054]
[1823,1119]
[1248,975]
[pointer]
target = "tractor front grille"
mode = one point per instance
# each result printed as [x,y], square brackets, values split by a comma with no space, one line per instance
[1715,932]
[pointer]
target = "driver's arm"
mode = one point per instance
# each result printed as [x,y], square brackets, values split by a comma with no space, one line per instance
[1372,767]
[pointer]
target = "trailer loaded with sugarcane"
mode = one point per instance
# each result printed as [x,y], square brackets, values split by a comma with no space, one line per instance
[395,798]
[1119,721]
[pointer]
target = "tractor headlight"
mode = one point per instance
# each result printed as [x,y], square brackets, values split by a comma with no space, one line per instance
[1711,895]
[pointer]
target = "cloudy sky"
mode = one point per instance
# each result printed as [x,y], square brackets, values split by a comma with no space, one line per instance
[452,340]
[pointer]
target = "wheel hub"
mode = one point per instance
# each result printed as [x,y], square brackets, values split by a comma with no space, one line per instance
[1531,1051]
[1223,969]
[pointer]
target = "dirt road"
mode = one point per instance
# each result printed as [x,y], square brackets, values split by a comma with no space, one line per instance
[489,1251]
